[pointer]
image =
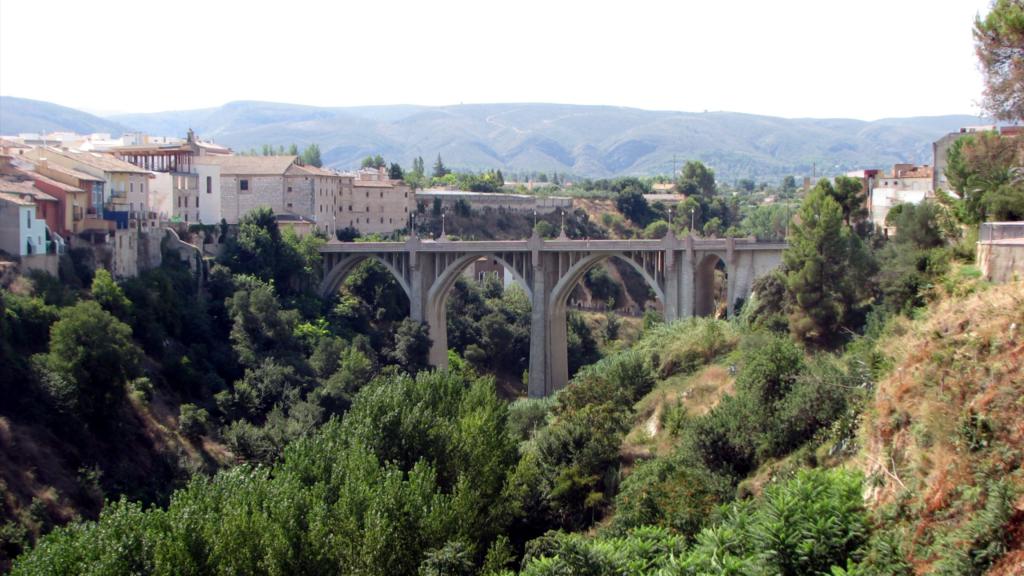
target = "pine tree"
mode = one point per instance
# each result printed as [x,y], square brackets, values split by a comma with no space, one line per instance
[826,270]
[999,44]
[440,171]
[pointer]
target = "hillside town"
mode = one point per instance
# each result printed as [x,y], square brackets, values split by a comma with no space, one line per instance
[120,197]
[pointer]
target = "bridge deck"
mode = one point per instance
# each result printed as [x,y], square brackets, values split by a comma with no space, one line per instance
[739,244]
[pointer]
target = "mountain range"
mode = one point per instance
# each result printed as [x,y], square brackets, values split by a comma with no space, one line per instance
[592,141]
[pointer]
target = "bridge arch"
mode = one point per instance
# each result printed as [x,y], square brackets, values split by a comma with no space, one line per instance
[563,288]
[437,299]
[558,336]
[704,283]
[336,275]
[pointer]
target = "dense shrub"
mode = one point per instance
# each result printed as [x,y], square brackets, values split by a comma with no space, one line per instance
[685,345]
[411,481]
[675,492]
[806,525]
[193,420]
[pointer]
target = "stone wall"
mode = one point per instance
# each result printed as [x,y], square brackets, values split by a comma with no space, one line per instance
[1001,261]
[375,208]
[49,263]
[125,256]
[511,202]
[298,195]
[263,191]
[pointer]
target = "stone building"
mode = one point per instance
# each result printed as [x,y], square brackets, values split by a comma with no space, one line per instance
[248,182]
[373,204]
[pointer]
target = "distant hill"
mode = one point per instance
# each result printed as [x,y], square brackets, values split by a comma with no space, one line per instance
[20,115]
[596,141]
[593,141]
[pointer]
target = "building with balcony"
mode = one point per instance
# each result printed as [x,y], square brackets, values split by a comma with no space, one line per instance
[124,193]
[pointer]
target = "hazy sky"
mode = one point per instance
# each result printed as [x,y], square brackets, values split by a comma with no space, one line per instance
[863,59]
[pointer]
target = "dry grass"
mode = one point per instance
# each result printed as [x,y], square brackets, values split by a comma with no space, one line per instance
[38,466]
[697,394]
[958,378]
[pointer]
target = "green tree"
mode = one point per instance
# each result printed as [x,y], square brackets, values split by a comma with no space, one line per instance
[260,328]
[91,357]
[395,172]
[293,150]
[788,184]
[110,296]
[440,171]
[852,197]
[632,204]
[697,179]
[311,155]
[999,44]
[260,249]
[824,263]
[656,230]
[412,345]
[980,169]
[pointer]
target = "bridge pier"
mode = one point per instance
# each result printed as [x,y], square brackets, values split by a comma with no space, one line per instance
[540,345]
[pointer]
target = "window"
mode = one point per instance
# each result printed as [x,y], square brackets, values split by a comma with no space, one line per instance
[381,219]
[131,186]
[289,188]
[243,184]
[289,204]
[197,201]
[381,193]
[28,219]
[186,216]
[349,207]
[209,184]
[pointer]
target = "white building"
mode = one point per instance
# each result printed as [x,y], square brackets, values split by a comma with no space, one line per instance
[208,177]
[21,233]
[906,184]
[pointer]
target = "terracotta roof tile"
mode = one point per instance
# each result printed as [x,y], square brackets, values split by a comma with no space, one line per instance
[15,199]
[105,162]
[249,165]
[25,187]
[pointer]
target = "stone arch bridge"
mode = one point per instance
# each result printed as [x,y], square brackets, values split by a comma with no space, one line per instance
[680,271]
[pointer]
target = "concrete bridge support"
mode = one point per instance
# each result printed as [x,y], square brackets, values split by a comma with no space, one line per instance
[680,272]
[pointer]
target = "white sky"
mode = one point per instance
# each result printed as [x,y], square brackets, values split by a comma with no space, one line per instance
[864,59]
